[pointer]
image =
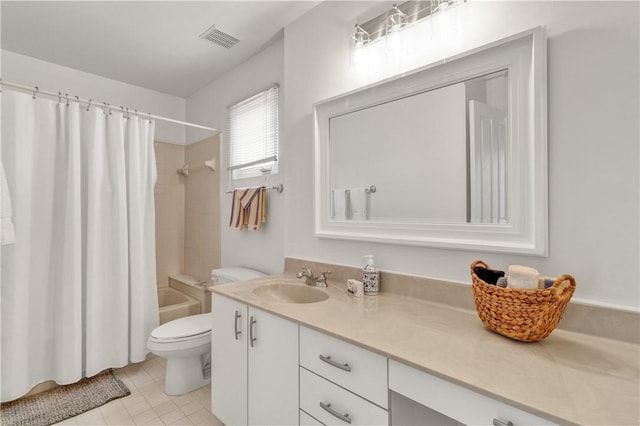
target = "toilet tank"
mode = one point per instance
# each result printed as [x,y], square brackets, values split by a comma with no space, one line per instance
[227,275]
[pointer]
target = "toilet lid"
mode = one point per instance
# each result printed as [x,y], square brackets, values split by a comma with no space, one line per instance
[183,327]
[234,274]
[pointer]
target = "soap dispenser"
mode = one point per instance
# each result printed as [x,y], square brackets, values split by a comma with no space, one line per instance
[370,277]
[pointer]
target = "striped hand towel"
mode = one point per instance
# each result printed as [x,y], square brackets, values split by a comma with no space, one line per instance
[248,208]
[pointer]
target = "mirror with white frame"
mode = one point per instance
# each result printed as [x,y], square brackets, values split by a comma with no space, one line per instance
[451,155]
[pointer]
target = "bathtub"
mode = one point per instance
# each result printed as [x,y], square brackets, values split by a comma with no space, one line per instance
[174,304]
[196,289]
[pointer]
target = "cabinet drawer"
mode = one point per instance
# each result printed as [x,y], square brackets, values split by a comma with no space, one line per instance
[357,369]
[447,398]
[307,420]
[341,407]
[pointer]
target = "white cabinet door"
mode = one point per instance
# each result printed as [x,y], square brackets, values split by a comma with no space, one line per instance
[254,358]
[273,369]
[229,360]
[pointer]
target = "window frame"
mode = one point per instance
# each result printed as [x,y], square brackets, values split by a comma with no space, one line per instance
[269,139]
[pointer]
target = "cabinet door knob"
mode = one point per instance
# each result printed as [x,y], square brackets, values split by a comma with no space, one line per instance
[498,422]
[327,407]
[328,360]
[252,322]
[235,325]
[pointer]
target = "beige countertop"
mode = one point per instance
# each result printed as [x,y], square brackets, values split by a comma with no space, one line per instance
[567,377]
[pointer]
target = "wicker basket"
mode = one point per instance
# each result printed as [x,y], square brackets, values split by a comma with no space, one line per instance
[521,314]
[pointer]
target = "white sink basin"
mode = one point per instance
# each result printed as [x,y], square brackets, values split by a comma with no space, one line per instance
[290,293]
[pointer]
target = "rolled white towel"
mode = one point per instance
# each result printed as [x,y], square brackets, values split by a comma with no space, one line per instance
[359,203]
[339,205]
[522,277]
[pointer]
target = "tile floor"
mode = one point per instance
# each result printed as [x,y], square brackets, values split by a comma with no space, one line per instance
[148,404]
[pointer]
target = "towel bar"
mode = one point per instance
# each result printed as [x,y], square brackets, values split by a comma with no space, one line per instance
[279,188]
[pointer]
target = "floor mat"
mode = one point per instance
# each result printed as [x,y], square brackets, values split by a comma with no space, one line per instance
[63,402]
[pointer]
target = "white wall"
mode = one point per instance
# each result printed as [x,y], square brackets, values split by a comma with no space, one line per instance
[593,57]
[259,250]
[47,76]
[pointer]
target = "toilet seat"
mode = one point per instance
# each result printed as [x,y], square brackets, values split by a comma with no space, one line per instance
[179,345]
[194,327]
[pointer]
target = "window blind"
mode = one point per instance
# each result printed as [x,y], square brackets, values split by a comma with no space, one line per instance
[253,134]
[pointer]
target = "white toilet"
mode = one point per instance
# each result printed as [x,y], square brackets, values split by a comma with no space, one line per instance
[186,342]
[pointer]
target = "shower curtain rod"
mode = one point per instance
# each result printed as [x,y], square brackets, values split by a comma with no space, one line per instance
[36,91]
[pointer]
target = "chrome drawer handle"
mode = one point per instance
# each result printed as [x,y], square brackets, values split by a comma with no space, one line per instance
[252,322]
[235,325]
[334,413]
[498,422]
[328,360]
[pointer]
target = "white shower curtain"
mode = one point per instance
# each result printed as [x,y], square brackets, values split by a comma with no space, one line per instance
[78,285]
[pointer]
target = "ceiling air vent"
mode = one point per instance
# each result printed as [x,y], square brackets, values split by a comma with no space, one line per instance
[219,37]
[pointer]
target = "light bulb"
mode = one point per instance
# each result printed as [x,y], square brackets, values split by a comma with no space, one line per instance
[359,60]
[394,24]
[359,57]
[444,21]
[393,41]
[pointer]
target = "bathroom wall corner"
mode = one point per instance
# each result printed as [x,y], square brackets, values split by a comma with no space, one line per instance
[170,212]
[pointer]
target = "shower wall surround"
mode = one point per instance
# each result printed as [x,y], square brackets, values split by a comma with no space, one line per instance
[187,211]
[170,211]
[202,210]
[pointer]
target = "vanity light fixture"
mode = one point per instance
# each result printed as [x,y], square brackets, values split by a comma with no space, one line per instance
[398,17]
[395,27]
[395,22]
[361,37]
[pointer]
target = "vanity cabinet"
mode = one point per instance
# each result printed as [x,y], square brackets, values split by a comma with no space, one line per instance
[269,370]
[456,402]
[341,383]
[254,359]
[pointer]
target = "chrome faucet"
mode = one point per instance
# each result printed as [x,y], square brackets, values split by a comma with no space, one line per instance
[310,279]
[307,274]
[321,281]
